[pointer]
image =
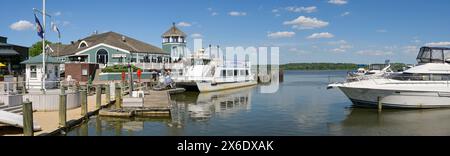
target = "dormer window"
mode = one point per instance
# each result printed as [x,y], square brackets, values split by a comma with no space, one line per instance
[83,44]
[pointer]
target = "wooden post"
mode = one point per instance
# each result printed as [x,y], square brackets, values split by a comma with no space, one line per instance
[108,93]
[98,93]
[380,104]
[62,107]
[84,102]
[118,96]
[28,127]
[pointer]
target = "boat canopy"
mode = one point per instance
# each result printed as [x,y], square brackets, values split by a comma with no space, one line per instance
[433,55]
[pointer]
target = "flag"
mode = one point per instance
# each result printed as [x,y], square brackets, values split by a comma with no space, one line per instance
[55,29]
[40,30]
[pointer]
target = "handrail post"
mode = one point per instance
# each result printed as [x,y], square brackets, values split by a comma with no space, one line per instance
[62,107]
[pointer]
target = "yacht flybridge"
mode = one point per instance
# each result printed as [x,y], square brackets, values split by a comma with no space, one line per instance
[426,85]
[203,73]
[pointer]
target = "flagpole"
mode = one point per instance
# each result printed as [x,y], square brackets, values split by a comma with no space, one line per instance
[43,47]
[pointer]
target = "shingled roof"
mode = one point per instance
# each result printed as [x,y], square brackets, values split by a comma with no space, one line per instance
[109,38]
[174,32]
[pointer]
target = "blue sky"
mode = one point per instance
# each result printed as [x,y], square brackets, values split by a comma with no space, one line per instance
[356,31]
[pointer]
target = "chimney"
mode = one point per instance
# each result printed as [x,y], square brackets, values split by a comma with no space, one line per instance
[72,42]
[124,39]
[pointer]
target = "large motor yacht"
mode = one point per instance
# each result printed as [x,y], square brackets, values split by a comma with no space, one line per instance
[205,74]
[423,86]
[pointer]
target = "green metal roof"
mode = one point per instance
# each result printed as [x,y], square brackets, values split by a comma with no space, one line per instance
[38,60]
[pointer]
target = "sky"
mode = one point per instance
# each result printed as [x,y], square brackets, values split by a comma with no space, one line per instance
[351,31]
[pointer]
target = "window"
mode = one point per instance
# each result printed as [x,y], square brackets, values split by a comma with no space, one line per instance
[229,73]
[56,70]
[33,73]
[235,72]
[224,73]
[84,72]
[247,73]
[242,73]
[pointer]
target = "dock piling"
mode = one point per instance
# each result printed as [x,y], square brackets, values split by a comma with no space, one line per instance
[108,93]
[118,96]
[98,93]
[84,102]
[62,107]
[28,127]
[380,104]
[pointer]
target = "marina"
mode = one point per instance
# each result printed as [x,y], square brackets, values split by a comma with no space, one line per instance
[272,69]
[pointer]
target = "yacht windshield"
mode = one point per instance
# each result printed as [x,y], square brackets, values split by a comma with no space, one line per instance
[421,77]
[433,55]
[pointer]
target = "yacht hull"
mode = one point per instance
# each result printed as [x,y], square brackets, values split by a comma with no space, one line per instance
[209,87]
[396,99]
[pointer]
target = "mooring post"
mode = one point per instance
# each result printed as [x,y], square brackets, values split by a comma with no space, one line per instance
[118,96]
[98,94]
[28,127]
[108,93]
[62,107]
[380,104]
[84,102]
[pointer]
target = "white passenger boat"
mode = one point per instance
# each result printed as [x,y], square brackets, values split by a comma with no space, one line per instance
[423,86]
[206,74]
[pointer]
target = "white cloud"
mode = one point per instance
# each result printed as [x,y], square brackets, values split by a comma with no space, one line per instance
[236,13]
[196,35]
[345,13]
[303,22]
[375,52]
[65,23]
[338,2]
[214,14]
[59,13]
[209,9]
[310,9]
[320,35]
[22,25]
[382,31]
[340,42]
[438,44]
[184,24]
[275,10]
[342,46]
[281,34]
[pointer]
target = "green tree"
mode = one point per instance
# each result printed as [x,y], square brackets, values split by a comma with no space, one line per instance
[36,48]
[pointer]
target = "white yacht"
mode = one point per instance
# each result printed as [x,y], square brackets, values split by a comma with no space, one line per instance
[423,86]
[205,74]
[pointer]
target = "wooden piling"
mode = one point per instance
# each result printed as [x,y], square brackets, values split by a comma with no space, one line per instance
[28,127]
[98,93]
[84,108]
[380,104]
[108,93]
[62,108]
[118,96]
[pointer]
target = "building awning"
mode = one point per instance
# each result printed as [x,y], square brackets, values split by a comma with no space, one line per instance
[8,52]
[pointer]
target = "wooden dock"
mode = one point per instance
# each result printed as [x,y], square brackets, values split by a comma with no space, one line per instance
[155,104]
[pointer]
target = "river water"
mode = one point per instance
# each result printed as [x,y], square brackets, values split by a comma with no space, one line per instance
[302,106]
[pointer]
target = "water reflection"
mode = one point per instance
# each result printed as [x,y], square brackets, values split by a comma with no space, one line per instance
[362,121]
[201,107]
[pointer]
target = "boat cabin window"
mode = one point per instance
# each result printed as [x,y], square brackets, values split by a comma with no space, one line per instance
[433,55]
[422,77]
[229,72]
[242,72]
[224,73]
[200,61]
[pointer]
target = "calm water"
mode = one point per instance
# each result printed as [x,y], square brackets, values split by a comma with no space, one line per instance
[302,106]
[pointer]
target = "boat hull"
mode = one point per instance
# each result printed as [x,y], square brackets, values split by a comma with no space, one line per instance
[209,87]
[396,99]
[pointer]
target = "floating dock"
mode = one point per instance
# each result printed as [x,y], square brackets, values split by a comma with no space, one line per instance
[153,104]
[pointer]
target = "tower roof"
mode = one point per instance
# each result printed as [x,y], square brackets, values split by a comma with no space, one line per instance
[174,32]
